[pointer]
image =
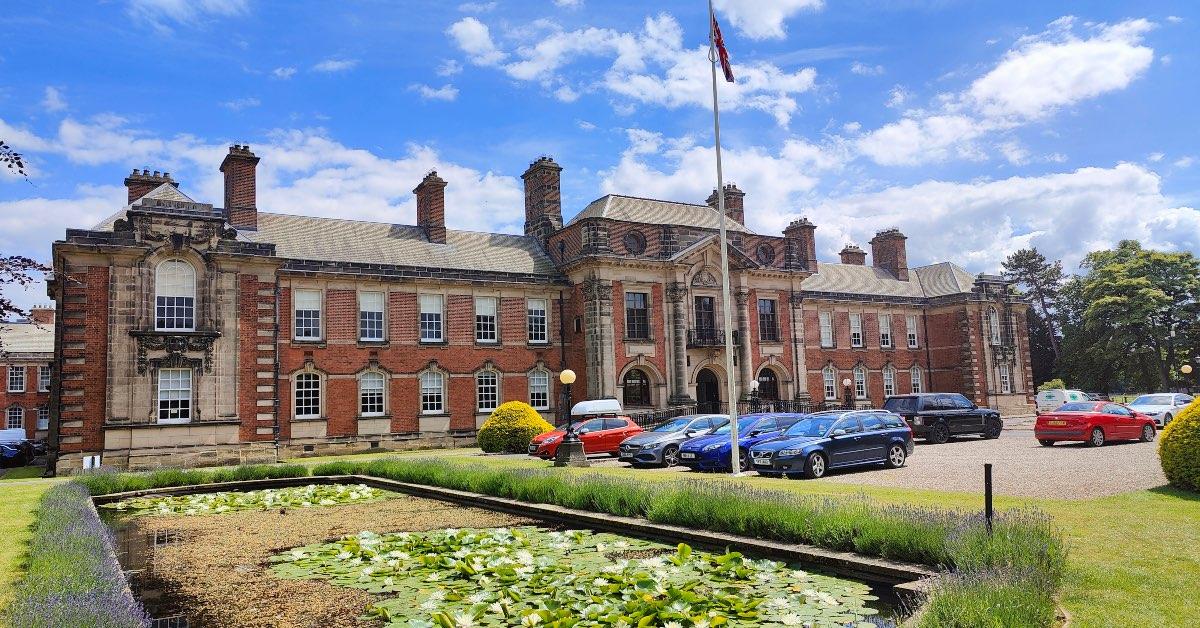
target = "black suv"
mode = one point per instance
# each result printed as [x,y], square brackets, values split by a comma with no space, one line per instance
[938,416]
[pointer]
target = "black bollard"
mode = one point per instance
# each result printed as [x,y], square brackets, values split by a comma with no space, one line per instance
[987,496]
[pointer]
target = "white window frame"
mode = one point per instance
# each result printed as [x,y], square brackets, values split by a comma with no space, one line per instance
[829,381]
[14,418]
[43,417]
[372,317]
[1006,387]
[429,386]
[306,295]
[431,320]
[316,392]
[185,291]
[860,382]
[539,383]
[856,330]
[889,381]
[487,391]
[487,331]
[537,325]
[825,322]
[885,331]
[16,378]
[910,322]
[915,377]
[993,325]
[44,378]
[379,395]
[176,386]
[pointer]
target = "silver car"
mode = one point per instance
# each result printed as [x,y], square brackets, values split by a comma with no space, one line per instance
[660,445]
[1162,407]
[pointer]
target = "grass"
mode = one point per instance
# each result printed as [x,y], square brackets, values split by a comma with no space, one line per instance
[21,473]
[16,527]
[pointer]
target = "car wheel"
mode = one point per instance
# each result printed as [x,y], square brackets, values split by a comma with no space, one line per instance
[1046,442]
[814,466]
[744,461]
[896,456]
[938,434]
[993,429]
[671,456]
[1097,438]
[1147,433]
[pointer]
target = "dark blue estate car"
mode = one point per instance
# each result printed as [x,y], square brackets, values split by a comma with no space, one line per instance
[711,451]
[832,440]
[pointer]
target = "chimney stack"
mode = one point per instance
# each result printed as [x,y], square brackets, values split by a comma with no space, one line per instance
[888,252]
[241,194]
[543,198]
[800,245]
[41,314]
[141,183]
[853,255]
[735,207]
[431,207]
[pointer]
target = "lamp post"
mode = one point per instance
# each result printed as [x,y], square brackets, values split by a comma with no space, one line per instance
[847,394]
[754,400]
[570,451]
[1187,369]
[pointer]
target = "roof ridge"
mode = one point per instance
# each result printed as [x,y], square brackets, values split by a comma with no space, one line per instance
[393,224]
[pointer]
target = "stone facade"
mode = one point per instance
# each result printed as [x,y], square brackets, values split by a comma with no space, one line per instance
[191,335]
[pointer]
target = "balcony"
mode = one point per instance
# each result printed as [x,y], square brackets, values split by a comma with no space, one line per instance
[709,337]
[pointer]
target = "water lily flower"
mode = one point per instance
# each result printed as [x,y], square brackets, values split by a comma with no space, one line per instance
[791,619]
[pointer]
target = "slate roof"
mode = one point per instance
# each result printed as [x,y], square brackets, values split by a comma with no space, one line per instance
[353,241]
[656,212]
[26,338]
[934,280]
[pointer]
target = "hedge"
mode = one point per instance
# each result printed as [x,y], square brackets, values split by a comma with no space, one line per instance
[511,427]
[1179,448]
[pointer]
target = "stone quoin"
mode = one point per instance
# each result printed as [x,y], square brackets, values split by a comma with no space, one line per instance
[190,334]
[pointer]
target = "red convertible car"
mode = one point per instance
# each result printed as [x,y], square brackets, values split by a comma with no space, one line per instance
[1093,422]
[599,436]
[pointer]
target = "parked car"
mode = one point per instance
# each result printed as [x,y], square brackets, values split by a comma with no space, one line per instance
[1096,396]
[599,436]
[1093,422]
[938,416]
[1162,407]
[711,452]
[15,449]
[834,440]
[660,445]
[1048,400]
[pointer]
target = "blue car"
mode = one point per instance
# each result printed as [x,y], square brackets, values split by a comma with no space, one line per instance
[833,440]
[711,452]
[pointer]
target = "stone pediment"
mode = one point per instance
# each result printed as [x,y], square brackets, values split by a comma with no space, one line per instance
[708,251]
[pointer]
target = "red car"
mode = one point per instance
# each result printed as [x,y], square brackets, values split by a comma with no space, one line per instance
[599,436]
[1093,422]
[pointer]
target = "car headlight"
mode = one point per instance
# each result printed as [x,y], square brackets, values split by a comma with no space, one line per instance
[650,446]
[917,420]
[789,452]
[713,446]
[551,440]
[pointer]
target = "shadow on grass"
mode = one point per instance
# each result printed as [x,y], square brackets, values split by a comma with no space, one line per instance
[1178,493]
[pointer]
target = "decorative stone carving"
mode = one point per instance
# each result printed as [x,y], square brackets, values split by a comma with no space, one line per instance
[765,254]
[705,279]
[634,242]
[176,346]
[742,296]
[676,292]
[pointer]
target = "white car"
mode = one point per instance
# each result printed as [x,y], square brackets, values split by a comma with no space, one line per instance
[1162,407]
[1049,400]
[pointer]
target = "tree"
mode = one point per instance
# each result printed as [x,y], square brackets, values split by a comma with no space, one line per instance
[1042,282]
[1041,349]
[12,159]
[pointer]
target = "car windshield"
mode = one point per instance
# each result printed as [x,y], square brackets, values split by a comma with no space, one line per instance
[1152,400]
[673,425]
[811,427]
[1079,406]
[901,404]
[744,426]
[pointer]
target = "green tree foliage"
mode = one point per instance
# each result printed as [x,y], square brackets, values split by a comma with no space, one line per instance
[1041,280]
[12,159]
[1054,384]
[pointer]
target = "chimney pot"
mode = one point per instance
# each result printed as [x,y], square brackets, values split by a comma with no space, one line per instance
[543,198]
[241,194]
[734,202]
[800,245]
[431,207]
[888,252]
[853,255]
[140,183]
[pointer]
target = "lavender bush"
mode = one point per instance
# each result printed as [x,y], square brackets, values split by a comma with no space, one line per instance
[73,578]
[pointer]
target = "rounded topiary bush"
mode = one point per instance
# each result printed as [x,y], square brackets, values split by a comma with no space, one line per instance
[1179,448]
[510,428]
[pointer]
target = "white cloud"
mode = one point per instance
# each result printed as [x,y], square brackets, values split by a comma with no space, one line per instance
[912,141]
[474,38]
[477,7]
[852,127]
[53,100]
[1166,59]
[1013,151]
[1156,157]
[585,125]
[863,69]
[759,19]
[449,67]
[1184,162]
[445,92]
[238,104]
[898,96]
[569,4]
[566,94]
[335,65]
[283,73]
[1174,19]
[185,12]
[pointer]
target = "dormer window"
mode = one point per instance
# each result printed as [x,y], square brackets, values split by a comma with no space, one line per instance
[175,296]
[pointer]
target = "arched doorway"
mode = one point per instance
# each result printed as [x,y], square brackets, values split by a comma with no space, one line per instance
[636,388]
[768,385]
[708,392]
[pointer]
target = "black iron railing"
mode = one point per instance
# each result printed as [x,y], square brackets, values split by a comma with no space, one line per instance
[709,337]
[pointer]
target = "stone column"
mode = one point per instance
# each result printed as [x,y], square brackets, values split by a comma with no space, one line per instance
[676,295]
[799,360]
[598,331]
[743,323]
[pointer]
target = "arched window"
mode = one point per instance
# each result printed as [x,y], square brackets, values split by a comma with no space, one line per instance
[175,296]
[15,419]
[860,382]
[433,393]
[308,396]
[370,394]
[768,385]
[487,390]
[994,325]
[539,389]
[889,380]
[636,388]
[829,380]
[915,374]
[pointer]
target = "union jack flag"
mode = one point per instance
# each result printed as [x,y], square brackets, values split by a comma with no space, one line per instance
[722,53]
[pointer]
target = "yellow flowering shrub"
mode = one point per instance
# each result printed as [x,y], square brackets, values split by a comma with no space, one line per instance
[510,428]
[1179,448]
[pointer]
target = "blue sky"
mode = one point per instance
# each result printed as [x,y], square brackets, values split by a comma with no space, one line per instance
[975,127]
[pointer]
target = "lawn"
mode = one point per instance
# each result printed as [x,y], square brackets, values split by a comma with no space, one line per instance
[20,500]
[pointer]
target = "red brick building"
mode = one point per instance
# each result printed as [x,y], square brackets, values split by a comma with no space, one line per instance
[26,352]
[191,334]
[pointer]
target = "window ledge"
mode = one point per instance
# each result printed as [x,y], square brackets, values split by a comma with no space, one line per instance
[770,342]
[650,340]
[301,419]
[369,417]
[315,342]
[382,344]
[434,414]
[433,343]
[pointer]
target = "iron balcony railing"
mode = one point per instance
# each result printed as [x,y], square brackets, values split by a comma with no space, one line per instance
[710,337]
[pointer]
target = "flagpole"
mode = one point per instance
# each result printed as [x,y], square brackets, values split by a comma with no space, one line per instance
[731,388]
